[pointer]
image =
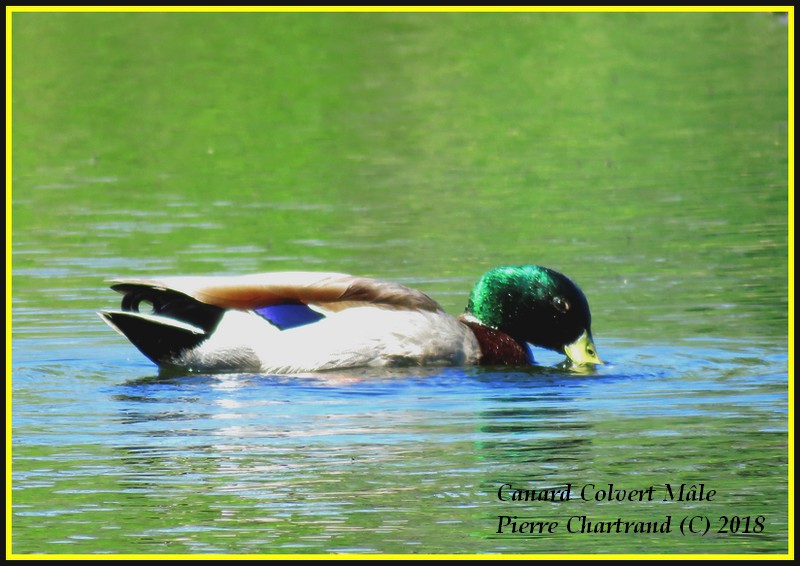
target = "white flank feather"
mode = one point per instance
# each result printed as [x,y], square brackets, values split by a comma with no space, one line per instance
[361,336]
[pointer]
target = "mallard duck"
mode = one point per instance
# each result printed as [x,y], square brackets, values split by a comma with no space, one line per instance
[293,322]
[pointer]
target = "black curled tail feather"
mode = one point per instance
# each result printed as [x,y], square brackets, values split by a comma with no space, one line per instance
[171,304]
[172,324]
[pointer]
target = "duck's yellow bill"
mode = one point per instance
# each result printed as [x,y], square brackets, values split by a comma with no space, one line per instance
[582,350]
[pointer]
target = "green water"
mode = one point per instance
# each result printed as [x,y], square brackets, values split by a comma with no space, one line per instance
[645,155]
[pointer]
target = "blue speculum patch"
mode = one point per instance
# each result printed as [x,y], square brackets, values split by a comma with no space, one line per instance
[290,315]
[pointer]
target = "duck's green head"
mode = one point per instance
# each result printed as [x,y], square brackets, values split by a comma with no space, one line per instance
[537,305]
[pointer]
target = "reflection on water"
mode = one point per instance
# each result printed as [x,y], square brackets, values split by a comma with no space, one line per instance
[266,464]
[642,154]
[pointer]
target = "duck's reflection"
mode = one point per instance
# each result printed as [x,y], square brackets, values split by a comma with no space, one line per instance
[329,449]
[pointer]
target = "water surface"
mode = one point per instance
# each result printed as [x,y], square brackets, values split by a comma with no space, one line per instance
[645,155]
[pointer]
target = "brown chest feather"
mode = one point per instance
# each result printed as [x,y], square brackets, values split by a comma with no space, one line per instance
[498,348]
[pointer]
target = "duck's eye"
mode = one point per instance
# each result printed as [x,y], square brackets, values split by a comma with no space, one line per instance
[561,304]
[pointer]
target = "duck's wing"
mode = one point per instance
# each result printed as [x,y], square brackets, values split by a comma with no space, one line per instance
[331,291]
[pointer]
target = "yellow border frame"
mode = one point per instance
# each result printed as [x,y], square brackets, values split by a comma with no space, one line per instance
[431,9]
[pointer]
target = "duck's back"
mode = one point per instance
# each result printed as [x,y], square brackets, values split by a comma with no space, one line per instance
[288,322]
[334,291]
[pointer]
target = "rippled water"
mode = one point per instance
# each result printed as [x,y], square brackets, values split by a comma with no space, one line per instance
[397,462]
[642,154]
